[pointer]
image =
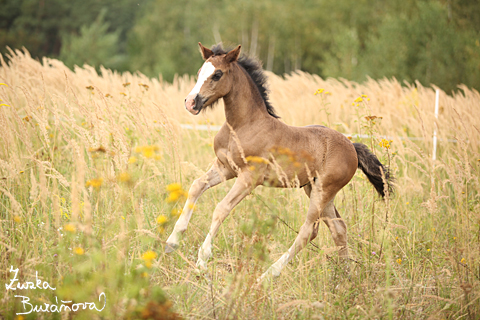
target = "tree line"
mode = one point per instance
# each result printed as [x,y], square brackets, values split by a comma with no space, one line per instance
[432,41]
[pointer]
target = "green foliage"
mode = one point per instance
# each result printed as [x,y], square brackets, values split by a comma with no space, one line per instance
[94,46]
[432,41]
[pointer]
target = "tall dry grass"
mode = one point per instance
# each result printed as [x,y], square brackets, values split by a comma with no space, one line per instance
[84,164]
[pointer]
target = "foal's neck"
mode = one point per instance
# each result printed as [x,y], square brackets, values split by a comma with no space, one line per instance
[244,103]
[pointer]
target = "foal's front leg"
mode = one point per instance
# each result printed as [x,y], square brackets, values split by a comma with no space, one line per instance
[211,178]
[242,187]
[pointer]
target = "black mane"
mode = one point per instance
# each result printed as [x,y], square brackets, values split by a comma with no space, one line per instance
[254,68]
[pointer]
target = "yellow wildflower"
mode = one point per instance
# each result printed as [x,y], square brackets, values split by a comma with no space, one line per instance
[124,177]
[95,183]
[174,187]
[149,255]
[176,191]
[399,261]
[79,251]
[256,159]
[132,160]
[319,91]
[162,219]
[359,99]
[174,196]
[70,228]
[463,261]
[17,219]
[144,85]
[148,151]
[385,143]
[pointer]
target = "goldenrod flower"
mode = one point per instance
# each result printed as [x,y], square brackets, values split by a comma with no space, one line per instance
[148,151]
[162,219]
[176,192]
[174,196]
[78,251]
[149,255]
[70,228]
[256,159]
[124,177]
[385,143]
[174,187]
[95,183]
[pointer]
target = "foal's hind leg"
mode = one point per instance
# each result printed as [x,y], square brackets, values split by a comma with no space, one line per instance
[319,199]
[337,227]
[212,177]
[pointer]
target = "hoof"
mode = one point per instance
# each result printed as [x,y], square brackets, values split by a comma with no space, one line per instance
[269,274]
[170,247]
[201,265]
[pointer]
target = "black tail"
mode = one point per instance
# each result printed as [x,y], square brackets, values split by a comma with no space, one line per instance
[373,168]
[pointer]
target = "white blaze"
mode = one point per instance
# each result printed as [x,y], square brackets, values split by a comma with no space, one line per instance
[207,70]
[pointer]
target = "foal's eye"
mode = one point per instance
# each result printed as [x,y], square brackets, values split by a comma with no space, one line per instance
[218,74]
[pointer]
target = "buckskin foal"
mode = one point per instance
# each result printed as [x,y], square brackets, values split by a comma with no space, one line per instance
[258,149]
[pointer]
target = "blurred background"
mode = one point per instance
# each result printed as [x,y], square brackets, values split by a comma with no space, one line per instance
[432,41]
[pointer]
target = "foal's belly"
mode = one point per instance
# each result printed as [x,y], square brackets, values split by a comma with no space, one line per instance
[286,177]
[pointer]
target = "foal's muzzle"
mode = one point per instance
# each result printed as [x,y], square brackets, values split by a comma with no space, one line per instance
[194,103]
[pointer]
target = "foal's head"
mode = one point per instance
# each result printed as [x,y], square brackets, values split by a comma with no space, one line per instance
[213,81]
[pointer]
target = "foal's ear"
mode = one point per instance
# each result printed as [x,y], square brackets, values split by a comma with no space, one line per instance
[232,56]
[206,53]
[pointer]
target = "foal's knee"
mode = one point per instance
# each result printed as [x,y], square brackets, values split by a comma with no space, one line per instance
[197,187]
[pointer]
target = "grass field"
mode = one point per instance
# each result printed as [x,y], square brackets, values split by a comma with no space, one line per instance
[85,161]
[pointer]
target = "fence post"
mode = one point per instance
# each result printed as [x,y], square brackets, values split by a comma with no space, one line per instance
[434,153]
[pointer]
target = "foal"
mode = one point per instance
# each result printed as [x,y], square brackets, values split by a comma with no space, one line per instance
[258,149]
